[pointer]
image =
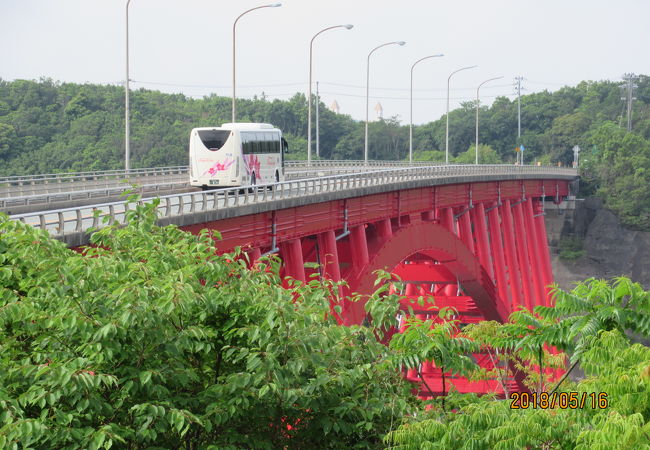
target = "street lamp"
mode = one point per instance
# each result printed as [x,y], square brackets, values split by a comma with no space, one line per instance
[411,124]
[311,48]
[365,151]
[477,107]
[234,25]
[127,152]
[447,131]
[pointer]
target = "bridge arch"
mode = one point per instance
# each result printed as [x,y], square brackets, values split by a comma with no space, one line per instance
[435,242]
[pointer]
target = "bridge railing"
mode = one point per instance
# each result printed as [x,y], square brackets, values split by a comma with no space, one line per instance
[48,178]
[98,194]
[98,175]
[45,184]
[355,163]
[73,220]
[22,186]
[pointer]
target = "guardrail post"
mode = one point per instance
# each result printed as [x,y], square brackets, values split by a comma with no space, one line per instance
[78,226]
[111,214]
[181,205]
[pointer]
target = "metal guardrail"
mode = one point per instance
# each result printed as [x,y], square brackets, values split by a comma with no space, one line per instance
[74,220]
[33,195]
[45,184]
[52,178]
[48,178]
[355,163]
[104,193]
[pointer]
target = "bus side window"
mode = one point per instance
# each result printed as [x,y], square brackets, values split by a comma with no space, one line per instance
[270,143]
[244,144]
[256,143]
[263,144]
[249,144]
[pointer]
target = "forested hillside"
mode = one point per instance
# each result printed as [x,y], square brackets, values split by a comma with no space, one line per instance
[52,127]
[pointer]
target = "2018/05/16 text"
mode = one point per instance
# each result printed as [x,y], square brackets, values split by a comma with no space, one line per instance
[562,400]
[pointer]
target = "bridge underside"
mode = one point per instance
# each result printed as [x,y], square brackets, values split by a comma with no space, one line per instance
[478,247]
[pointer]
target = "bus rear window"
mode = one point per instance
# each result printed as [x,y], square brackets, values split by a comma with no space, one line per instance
[214,139]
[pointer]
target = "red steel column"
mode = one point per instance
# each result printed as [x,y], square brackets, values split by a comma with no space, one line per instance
[429,216]
[439,289]
[451,290]
[465,231]
[496,245]
[253,255]
[329,255]
[522,252]
[411,289]
[447,219]
[359,245]
[542,242]
[511,255]
[293,260]
[482,241]
[384,228]
[535,258]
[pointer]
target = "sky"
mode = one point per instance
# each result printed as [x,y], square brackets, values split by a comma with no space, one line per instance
[186,46]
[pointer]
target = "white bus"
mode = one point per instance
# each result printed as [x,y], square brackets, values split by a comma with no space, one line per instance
[239,154]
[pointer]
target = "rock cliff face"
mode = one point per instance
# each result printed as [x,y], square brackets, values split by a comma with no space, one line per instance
[610,249]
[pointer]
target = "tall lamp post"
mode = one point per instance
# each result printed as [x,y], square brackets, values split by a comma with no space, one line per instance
[477,108]
[311,50]
[411,124]
[127,132]
[365,151]
[447,130]
[234,25]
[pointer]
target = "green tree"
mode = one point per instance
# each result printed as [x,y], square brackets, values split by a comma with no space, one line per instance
[425,340]
[611,404]
[622,170]
[7,139]
[486,155]
[151,339]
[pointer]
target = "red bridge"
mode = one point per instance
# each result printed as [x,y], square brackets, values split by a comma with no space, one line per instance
[471,237]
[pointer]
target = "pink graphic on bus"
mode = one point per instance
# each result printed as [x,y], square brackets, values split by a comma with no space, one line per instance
[219,167]
[252,164]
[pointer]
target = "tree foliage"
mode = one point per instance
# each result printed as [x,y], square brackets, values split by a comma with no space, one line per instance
[593,323]
[151,339]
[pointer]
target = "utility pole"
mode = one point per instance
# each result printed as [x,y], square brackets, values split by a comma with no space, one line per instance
[520,156]
[629,78]
[127,111]
[317,125]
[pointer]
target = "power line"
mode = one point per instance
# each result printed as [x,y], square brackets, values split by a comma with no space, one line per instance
[408,99]
[355,86]
[547,83]
[156,83]
[271,94]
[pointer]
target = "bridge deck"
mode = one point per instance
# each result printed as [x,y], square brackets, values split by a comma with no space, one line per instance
[70,224]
